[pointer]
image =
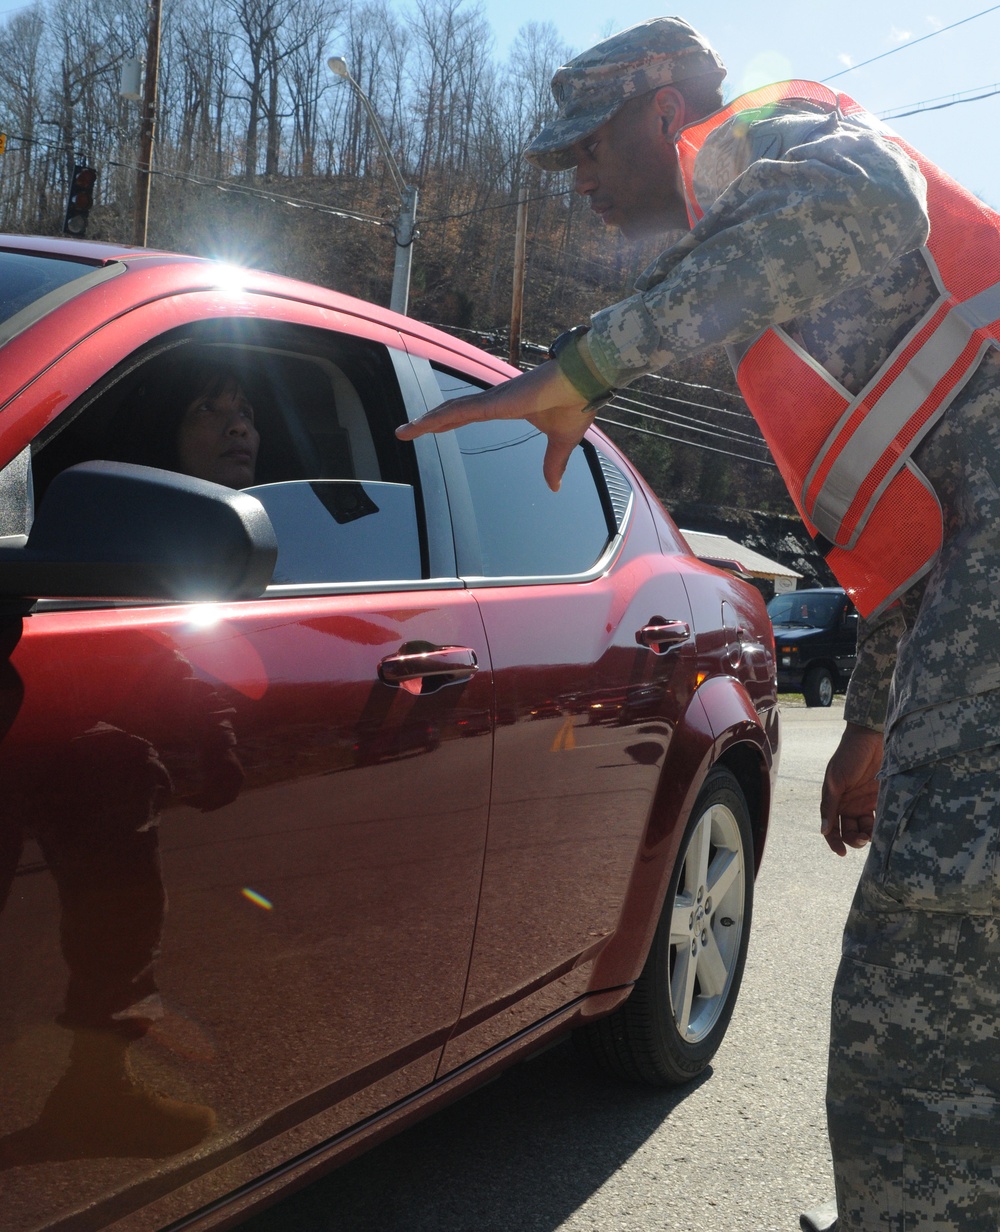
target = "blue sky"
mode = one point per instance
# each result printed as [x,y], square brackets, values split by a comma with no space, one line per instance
[768,40]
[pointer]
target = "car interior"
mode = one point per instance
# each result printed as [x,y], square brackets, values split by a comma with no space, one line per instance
[326,409]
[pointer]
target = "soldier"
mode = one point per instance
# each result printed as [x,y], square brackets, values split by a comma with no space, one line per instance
[855,287]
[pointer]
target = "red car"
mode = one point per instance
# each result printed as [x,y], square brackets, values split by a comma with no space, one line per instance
[307,827]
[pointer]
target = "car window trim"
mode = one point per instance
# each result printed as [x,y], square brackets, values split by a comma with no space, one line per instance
[296,590]
[468,555]
[434,499]
[600,567]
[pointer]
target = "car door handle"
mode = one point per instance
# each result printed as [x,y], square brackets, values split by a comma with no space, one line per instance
[662,634]
[429,668]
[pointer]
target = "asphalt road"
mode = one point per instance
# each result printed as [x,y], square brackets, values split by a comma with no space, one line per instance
[552,1147]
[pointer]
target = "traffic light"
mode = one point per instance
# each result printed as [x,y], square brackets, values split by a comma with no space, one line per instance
[81,198]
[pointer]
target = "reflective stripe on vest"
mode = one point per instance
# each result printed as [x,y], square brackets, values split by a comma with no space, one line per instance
[881,428]
[845,458]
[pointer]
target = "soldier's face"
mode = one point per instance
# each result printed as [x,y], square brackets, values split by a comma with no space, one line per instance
[628,167]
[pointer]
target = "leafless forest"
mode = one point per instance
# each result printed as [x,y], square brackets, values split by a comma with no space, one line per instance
[264,156]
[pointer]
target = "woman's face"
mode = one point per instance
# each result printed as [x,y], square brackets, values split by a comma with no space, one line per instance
[217,439]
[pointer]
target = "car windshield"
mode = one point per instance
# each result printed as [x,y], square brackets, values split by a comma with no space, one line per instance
[801,608]
[27,277]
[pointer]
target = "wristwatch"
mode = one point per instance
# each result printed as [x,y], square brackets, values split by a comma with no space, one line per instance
[564,350]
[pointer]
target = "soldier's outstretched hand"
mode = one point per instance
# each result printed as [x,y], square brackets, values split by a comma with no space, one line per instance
[543,396]
[850,791]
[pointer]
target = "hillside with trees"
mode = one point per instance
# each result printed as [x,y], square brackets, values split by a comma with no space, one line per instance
[264,157]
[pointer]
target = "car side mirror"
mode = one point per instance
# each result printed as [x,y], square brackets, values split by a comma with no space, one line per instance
[111,530]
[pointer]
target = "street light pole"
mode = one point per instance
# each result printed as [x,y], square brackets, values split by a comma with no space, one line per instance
[406,219]
[406,233]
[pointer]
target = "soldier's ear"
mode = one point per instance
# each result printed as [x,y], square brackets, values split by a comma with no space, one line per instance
[670,105]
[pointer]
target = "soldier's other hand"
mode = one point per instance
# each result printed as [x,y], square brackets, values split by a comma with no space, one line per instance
[543,396]
[850,789]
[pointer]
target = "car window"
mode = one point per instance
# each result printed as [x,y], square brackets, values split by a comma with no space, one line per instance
[27,277]
[341,530]
[526,530]
[804,608]
[341,491]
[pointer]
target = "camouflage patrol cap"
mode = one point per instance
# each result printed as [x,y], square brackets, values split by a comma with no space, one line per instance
[591,88]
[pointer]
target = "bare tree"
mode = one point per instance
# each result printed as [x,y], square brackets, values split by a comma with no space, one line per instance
[376,48]
[85,43]
[21,86]
[258,23]
[454,44]
[308,79]
[195,86]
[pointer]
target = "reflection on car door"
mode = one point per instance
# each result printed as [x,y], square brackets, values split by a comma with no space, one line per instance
[259,830]
[315,947]
[584,716]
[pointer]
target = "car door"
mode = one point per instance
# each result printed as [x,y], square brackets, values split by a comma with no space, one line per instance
[572,586]
[246,838]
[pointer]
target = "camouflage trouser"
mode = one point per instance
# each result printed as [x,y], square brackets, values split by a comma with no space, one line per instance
[913,1094]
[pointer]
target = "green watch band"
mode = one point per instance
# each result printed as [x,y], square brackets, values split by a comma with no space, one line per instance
[564,350]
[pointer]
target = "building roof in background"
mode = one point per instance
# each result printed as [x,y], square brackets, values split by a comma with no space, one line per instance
[717,549]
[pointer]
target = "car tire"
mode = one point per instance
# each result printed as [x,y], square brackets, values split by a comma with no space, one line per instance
[675,1018]
[817,687]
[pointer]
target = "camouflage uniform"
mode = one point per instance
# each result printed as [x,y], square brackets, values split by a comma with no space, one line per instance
[815,222]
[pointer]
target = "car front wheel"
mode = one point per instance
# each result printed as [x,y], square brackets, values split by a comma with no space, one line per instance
[674,1020]
[817,688]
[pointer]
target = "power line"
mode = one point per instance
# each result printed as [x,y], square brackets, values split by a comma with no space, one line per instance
[282,198]
[692,425]
[911,43]
[48,145]
[705,406]
[685,421]
[941,102]
[485,209]
[499,338]
[631,396]
[222,186]
[245,190]
[711,389]
[262,194]
[603,419]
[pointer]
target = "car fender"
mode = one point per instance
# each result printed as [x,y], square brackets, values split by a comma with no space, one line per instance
[747,741]
[719,726]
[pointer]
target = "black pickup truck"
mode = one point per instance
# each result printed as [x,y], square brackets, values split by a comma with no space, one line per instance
[816,636]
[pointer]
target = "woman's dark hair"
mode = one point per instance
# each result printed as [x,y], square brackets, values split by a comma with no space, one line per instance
[146,427]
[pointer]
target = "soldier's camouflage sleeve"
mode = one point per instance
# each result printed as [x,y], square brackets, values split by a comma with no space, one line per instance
[868,690]
[788,234]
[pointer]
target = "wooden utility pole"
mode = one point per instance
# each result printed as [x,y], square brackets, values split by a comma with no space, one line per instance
[517,299]
[148,122]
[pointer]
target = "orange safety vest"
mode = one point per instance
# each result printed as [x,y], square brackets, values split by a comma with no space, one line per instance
[847,458]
